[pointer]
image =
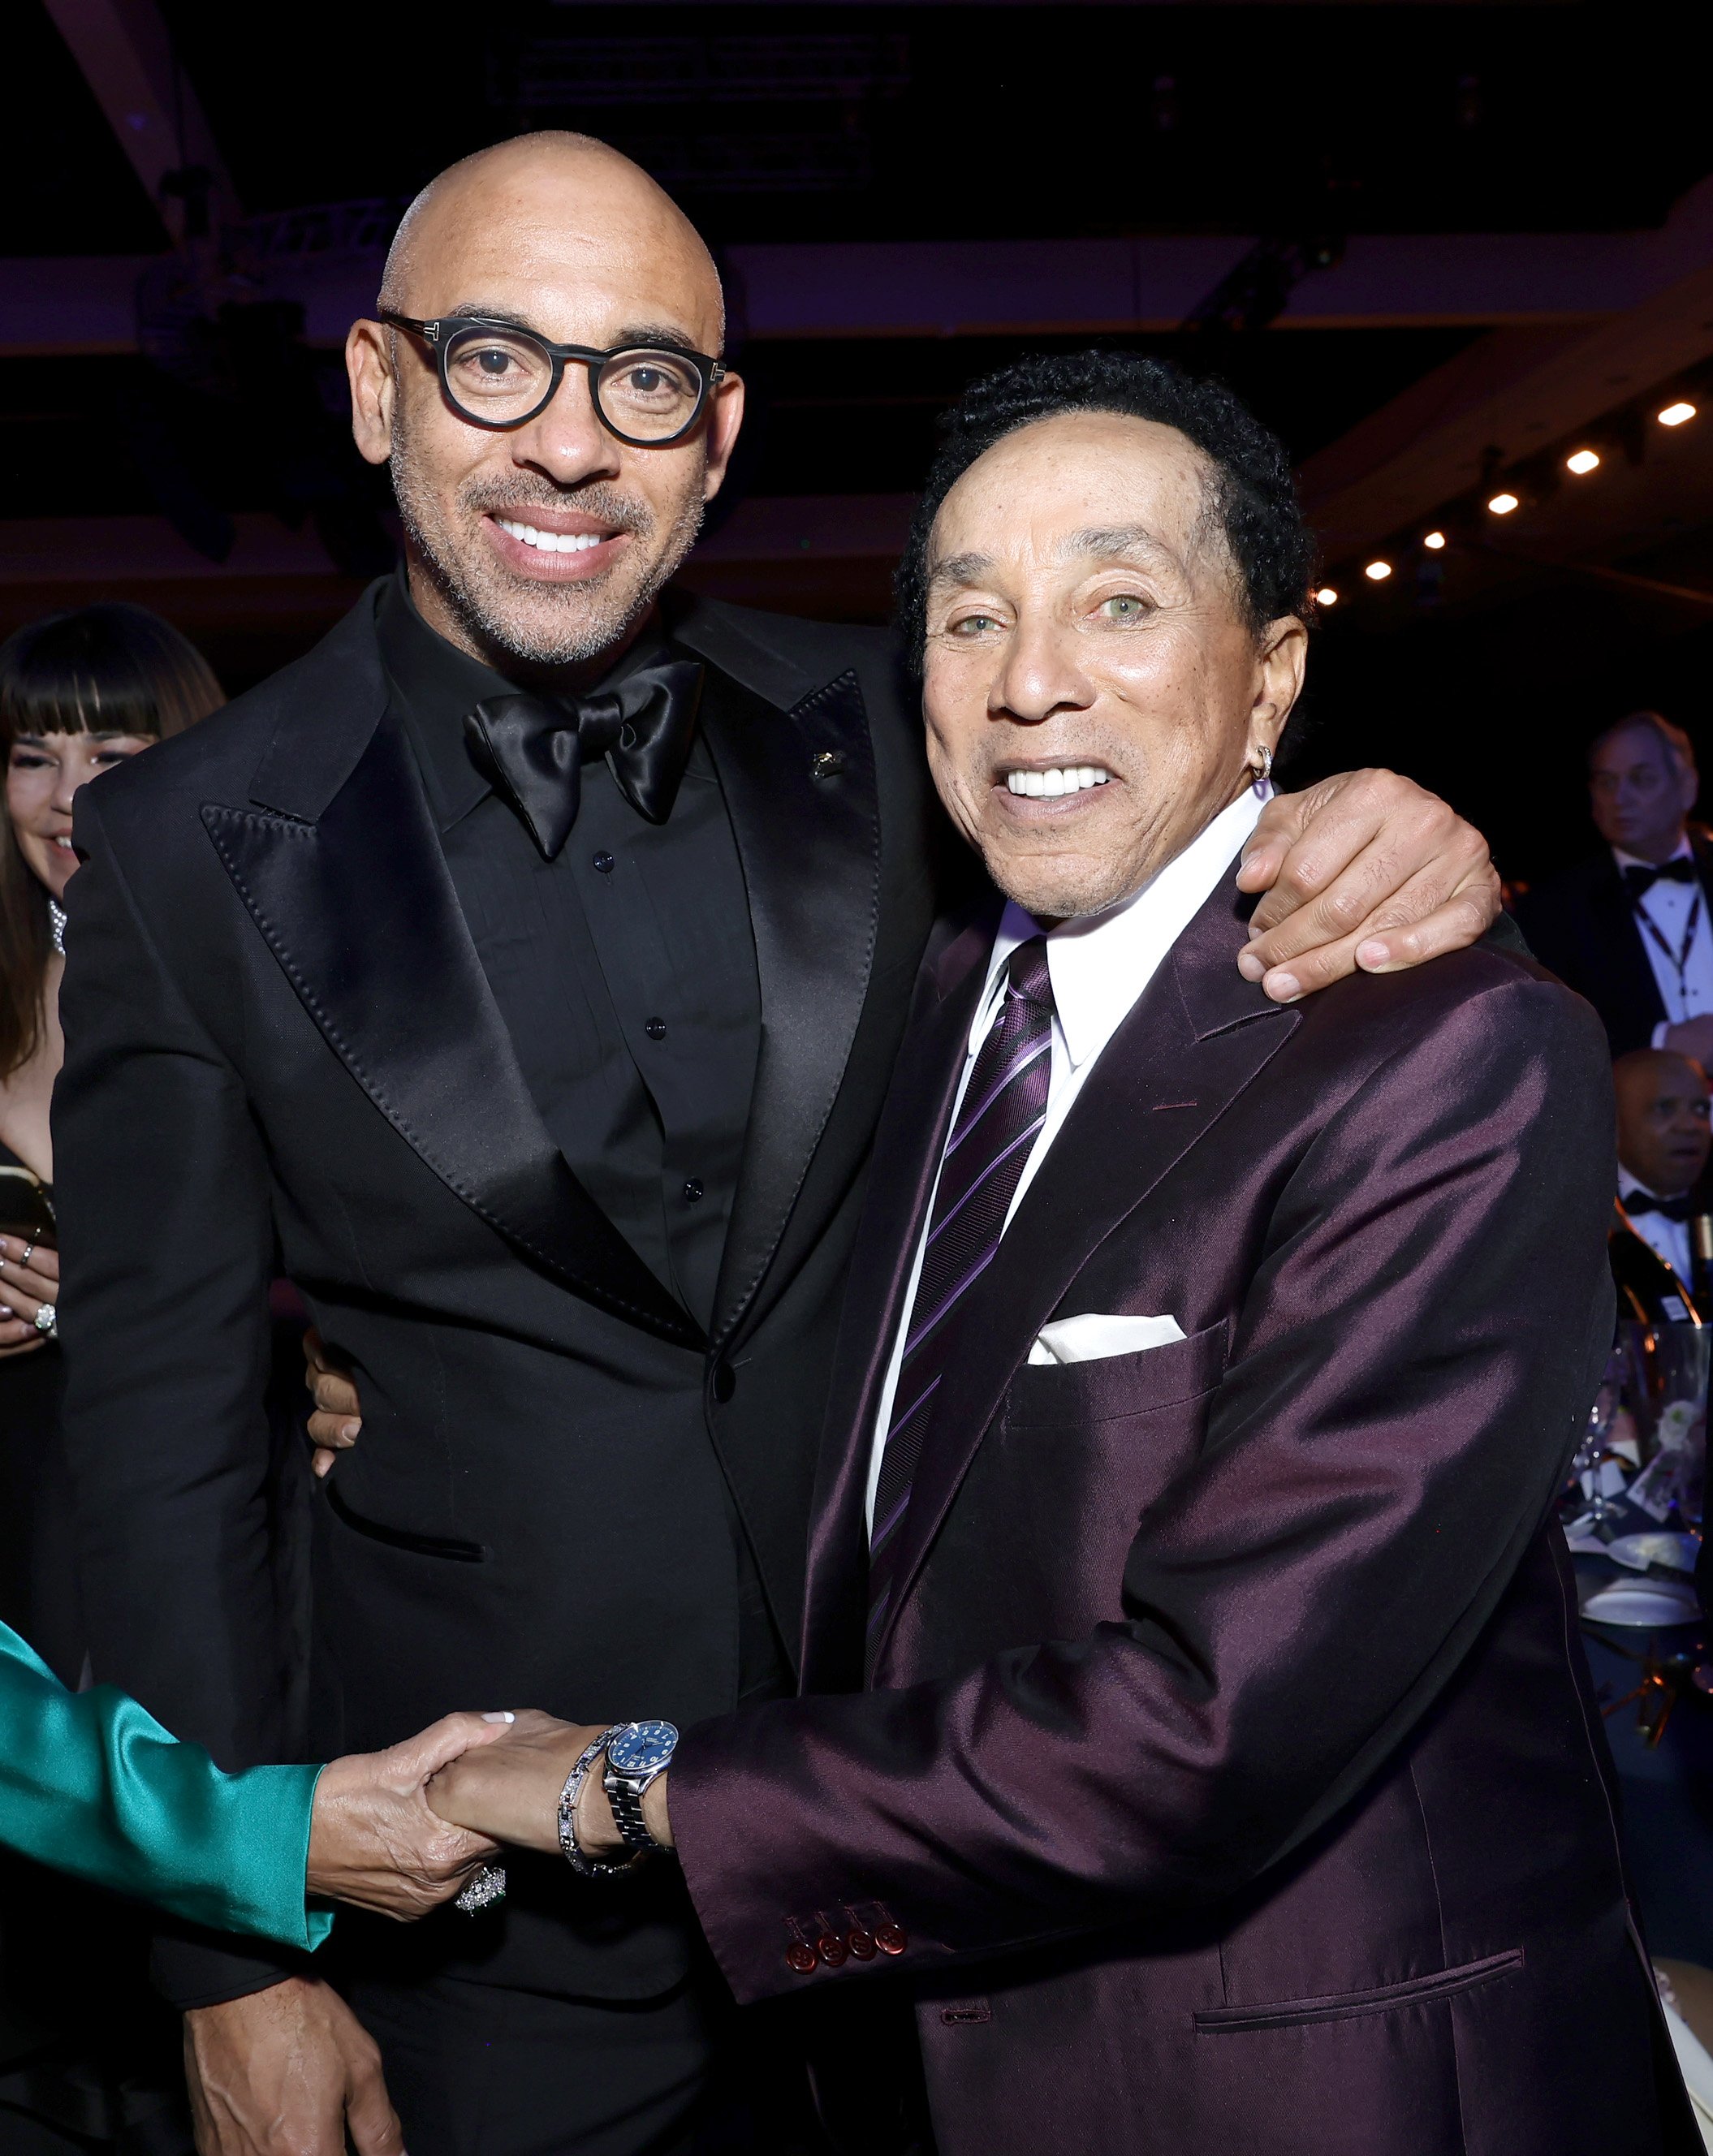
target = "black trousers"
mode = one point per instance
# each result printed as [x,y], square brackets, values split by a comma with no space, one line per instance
[477,2070]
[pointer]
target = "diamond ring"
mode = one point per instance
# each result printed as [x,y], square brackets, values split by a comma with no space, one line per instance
[485,1887]
[46,1320]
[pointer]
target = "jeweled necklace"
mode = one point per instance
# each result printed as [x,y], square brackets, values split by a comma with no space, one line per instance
[56,923]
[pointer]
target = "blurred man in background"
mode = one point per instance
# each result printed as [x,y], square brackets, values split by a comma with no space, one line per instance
[1662,1141]
[1630,928]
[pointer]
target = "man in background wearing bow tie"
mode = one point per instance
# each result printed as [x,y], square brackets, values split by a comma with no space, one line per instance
[522,970]
[1663,1136]
[1632,928]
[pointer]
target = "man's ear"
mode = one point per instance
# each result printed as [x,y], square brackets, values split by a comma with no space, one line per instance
[724,418]
[369,367]
[1281,663]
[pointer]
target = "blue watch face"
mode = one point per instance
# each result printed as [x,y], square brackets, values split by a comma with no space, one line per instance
[642,1747]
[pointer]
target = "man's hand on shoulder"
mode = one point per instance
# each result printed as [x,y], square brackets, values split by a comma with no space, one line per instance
[1364,871]
[287,2071]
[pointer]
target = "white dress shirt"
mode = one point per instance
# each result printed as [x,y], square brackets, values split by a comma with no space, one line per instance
[1669,1239]
[1668,906]
[1099,968]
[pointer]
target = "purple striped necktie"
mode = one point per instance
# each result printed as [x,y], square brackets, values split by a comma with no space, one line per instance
[1003,1109]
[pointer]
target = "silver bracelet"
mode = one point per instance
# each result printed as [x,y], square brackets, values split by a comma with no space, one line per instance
[591,1867]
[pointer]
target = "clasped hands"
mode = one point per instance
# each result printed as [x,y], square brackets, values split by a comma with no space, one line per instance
[399,1832]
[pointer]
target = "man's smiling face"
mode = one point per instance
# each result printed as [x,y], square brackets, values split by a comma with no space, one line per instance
[544,543]
[1093,691]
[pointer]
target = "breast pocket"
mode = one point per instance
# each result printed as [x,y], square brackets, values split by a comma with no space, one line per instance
[1113,1387]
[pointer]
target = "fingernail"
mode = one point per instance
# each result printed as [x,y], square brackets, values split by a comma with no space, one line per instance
[349,1429]
[1283,987]
[1249,965]
[498,1717]
[1371,954]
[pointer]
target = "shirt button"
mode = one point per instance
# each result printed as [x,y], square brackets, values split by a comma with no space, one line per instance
[692,1190]
[604,862]
[656,1028]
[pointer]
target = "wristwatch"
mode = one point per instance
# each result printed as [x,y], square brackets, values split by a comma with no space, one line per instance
[638,1752]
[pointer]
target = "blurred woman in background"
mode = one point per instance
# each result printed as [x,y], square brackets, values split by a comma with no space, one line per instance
[79,693]
[81,2063]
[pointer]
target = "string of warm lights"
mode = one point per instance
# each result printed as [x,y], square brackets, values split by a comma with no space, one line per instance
[1507,495]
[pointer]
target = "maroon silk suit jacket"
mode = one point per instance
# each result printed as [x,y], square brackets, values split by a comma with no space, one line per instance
[1228,1764]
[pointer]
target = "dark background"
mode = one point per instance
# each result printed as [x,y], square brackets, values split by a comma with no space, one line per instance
[965,124]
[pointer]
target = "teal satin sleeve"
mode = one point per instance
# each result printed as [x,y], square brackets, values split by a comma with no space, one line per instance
[92,1785]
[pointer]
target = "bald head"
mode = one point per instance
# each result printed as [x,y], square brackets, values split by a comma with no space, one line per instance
[560,203]
[1663,1134]
[540,540]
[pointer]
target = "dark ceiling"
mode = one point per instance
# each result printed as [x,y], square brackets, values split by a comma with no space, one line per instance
[881,122]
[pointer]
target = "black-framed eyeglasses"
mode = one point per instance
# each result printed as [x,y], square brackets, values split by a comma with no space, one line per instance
[499,376]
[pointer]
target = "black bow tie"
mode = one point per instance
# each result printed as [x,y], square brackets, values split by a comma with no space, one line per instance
[1674,1208]
[534,750]
[1638,881]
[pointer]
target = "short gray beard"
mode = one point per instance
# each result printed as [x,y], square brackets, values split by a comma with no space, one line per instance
[605,617]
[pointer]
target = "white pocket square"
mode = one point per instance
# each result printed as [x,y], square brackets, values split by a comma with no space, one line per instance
[1087,1339]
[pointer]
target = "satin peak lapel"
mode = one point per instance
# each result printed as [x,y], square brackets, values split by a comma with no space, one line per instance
[1197,1036]
[358,908]
[799,788]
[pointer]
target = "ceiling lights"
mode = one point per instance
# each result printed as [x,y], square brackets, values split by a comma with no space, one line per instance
[1413,564]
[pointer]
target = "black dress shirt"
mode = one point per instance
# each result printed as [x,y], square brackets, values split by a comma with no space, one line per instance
[624,968]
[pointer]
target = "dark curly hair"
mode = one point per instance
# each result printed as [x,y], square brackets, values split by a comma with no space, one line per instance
[1252,494]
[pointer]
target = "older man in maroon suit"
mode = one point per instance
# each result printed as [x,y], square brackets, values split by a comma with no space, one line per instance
[1194,1731]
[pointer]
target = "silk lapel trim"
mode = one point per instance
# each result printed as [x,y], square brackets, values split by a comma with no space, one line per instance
[799,788]
[359,910]
[1196,1038]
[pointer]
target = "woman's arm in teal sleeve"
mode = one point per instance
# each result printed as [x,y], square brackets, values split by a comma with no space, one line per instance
[92,1785]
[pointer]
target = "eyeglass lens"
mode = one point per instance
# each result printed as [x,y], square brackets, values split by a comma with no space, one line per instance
[503,376]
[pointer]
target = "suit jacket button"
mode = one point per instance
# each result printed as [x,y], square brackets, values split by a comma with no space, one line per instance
[829,763]
[725,1382]
[832,1949]
[861,1944]
[800,1956]
[891,1938]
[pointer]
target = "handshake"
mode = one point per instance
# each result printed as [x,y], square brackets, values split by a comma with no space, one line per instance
[401,1831]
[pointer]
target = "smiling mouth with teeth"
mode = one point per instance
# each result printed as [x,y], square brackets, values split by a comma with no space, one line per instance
[554,542]
[1063,778]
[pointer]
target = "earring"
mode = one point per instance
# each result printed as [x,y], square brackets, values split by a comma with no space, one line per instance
[1263,768]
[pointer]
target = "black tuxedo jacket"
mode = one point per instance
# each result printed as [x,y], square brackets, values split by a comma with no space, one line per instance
[1227,1777]
[281,1051]
[1582,926]
[1644,1282]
